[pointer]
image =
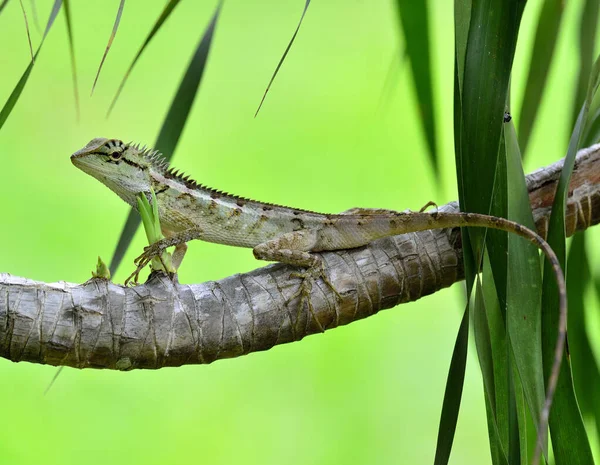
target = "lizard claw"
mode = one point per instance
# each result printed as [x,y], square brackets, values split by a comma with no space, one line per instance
[150,252]
[308,276]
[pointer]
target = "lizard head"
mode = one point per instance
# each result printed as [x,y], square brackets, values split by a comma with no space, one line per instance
[124,168]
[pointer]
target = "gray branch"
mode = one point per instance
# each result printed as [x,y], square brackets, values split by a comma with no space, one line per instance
[100,324]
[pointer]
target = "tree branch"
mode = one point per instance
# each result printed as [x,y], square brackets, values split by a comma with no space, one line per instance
[99,324]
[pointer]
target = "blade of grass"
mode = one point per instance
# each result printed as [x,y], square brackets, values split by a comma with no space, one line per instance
[16,93]
[523,315]
[542,53]
[391,78]
[586,376]
[27,29]
[499,353]
[287,49]
[173,125]
[415,25]
[453,393]
[170,6]
[67,10]
[2,5]
[588,29]
[489,45]
[110,41]
[36,18]
[592,129]
[569,440]
[485,355]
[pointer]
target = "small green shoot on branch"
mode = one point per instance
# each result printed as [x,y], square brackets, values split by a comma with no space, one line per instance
[151,221]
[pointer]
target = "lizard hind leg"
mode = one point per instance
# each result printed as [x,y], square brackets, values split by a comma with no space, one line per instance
[294,249]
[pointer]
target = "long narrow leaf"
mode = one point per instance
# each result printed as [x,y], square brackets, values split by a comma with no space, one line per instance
[287,49]
[2,5]
[169,7]
[586,376]
[539,65]
[499,361]
[16,93]
[110,41]
[67,10]
[453,393]
[523,302]
[415,25]
[485,54]
[487,360]
[588,30]
[173,125]
[27,29]
[569,439]
[36,19]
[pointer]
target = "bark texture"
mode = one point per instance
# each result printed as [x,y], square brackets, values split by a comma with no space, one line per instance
[99,324]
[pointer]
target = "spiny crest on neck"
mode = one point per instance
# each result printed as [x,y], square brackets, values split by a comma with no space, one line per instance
[158,162]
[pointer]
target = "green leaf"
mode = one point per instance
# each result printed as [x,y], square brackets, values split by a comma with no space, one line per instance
[592,128]
[169,7]
[588,29]
[453,393]
[287,49]
[586,376]
[2,5]
[16,93]
[523,313]
[569,440]
[488,61]
[486,33]
[484,341]
[499,358]
[67,10]
[27,29]
[544,45]
[173,125]
[102,271]
[415,25]
[110,41]
[151,222]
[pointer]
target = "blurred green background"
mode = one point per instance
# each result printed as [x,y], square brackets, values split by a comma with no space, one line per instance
[329,137]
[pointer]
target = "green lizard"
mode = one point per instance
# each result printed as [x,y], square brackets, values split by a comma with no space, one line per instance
[189,210]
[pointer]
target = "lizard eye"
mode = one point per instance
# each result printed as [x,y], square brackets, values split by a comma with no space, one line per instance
[115,156]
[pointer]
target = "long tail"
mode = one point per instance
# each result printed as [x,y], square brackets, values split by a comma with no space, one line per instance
[418,221]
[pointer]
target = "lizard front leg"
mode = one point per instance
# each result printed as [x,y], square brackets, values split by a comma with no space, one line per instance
[294,249]
[154,250]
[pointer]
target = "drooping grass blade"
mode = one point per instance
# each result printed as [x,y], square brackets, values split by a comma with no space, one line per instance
[415,26]
[453,393]
[486,32]
[173,125]
[588,30]
[159,22]
[2,5]
[67,10]
[541,58]
[27,28]
[287,49]
[586,376]
[569,439]
[110,41]
[16,93]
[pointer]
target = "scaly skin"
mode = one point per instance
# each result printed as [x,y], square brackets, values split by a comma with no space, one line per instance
[190,211]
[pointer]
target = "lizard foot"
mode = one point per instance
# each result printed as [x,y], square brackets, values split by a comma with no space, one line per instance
[308,277]
[152,251]
[427,205]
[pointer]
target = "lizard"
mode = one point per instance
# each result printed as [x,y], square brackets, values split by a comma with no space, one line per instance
[189,210]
